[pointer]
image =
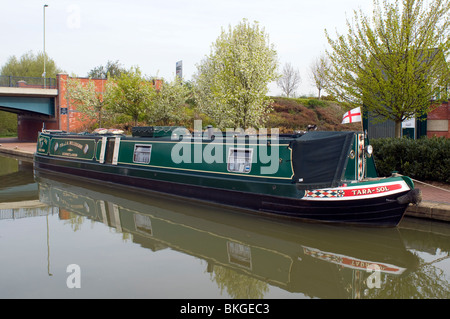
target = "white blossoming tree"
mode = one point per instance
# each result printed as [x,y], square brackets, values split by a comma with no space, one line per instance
[168,103]
[232,82]
[90,103]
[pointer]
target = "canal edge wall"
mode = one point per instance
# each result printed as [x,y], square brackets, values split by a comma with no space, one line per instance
[430,210]
[17,152]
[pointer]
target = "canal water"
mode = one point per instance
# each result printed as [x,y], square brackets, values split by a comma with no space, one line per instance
[66,238]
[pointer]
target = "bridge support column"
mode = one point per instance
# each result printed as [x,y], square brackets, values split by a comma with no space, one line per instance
[28,127]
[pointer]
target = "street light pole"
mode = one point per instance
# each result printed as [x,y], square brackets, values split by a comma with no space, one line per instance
[43,74]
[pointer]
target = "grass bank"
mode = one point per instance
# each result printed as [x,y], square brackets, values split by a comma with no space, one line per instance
[291,114]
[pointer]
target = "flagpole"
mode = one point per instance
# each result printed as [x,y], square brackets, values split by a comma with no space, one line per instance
[362,120]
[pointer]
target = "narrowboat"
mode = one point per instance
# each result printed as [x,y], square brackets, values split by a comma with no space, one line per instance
[319,176]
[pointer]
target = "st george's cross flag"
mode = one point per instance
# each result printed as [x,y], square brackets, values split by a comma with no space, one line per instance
[352,116]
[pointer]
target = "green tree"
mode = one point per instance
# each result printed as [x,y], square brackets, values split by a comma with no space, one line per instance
[30,65]
[393,62]
[112,69]
[168,103]
[239,286]
[232,82]
[131,94]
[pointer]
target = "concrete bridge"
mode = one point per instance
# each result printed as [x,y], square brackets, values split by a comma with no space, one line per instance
[32,99]
[26,94]
[38,102]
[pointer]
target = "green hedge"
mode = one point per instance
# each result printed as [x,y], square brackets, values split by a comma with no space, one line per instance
[425,159]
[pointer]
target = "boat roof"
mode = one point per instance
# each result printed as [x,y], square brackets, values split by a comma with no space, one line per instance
[319,158]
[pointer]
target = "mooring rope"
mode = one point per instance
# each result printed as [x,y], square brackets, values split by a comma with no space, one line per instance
[415,180]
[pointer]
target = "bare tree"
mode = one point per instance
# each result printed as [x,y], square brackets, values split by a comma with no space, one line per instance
[318,73]
[289,80]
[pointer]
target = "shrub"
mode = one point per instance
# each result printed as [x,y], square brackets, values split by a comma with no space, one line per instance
[8,124]
[422,159]
[315,103]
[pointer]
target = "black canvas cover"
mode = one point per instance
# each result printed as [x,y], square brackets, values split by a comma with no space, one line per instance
[319,158]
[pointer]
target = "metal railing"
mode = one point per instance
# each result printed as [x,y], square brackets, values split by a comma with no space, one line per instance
[27,82]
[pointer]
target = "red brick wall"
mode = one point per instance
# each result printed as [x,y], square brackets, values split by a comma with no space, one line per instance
[77,123]
[438,121]
[28,126]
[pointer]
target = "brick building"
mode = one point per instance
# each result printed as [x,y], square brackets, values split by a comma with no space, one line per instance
[434,123]
[438,121]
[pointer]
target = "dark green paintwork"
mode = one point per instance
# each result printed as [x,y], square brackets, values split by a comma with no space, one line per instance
[192,171]
[196,153]
[43,144]
[74,148]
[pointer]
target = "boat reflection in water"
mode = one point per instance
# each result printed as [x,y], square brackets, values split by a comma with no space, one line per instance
[321,261]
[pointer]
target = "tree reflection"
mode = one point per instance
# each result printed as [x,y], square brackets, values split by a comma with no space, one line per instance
[425,282]
[75,221]
[237,285]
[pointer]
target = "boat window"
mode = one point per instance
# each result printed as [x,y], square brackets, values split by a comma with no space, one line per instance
[240,160]
[239,254]
[143,224]
[142,153]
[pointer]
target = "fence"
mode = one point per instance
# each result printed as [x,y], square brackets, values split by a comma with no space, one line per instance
[27,82]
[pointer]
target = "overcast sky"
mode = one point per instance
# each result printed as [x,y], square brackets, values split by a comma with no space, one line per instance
[154,35]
